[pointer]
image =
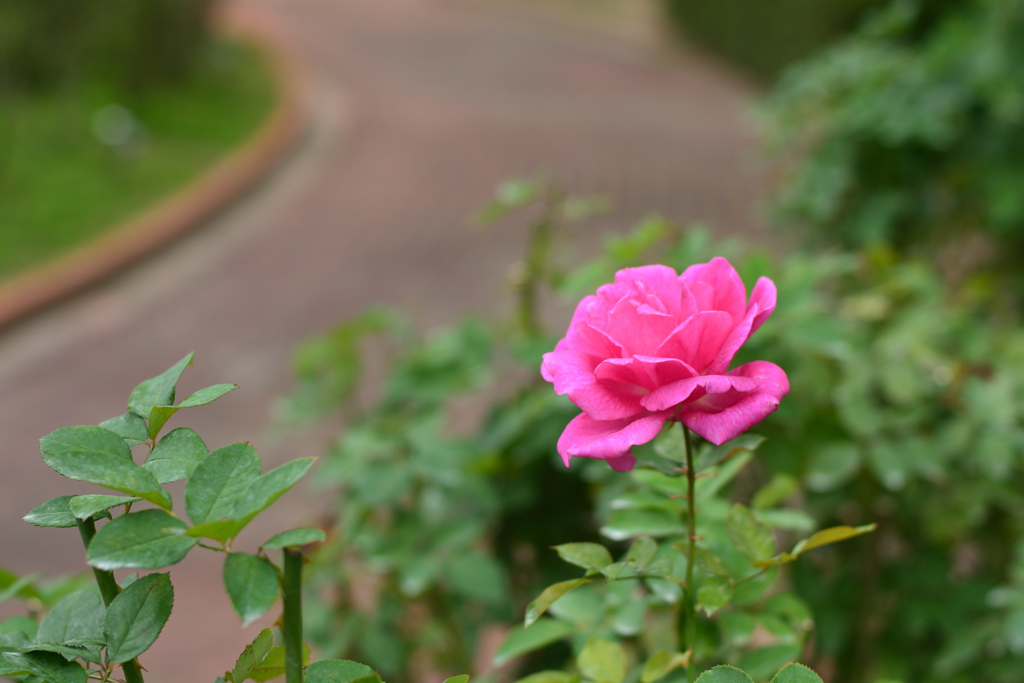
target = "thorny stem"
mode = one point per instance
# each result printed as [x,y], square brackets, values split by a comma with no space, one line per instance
[109,590]
[691,595]
[292,628]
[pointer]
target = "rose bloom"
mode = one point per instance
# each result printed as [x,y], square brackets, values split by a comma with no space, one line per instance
[656,346]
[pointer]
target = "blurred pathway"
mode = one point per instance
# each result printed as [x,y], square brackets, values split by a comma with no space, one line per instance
[421,107]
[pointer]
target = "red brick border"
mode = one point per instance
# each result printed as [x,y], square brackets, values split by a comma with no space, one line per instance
[175,215]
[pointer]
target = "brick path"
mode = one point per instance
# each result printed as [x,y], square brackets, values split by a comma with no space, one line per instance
[420,108]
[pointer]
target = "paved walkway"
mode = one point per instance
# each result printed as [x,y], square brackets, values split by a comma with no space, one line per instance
[420,108]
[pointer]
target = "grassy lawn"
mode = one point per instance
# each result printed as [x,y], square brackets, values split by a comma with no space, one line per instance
[60,184]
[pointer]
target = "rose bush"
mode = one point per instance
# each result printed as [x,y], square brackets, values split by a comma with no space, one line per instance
[655,346]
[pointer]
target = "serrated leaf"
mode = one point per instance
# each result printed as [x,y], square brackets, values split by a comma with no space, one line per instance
[176,455]
[590,556]
[77,620]
[724,674]
[294,538]
[84,507]
[253,654]
[661,663]
[219,480]
[336,671]
[539,634]
[548,596]
[101,457]
[263,492]
[207,395]
[602,661]
[52,667]
[53,513]
[831,535]
[251,583]
[714,593]
[751,537]
[273,665]
[129,427]
[159,390]
[136,616]
[796,673]
[149,539]
[641,552]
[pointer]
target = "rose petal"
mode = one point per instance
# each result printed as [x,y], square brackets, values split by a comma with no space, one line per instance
[698,339]
[585,437]
[721,416]
[763,296]
[643,371]
[727,291]
[694,388]
[732,344]
[657,286]
[639,329]
[572,373]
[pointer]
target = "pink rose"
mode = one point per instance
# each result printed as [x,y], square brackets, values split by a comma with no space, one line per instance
[656,346]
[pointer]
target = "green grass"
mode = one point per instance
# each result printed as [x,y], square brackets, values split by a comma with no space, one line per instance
[60,185]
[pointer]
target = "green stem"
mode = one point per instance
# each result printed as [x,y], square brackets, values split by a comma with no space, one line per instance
[292,590]
[109,590]
[691,594]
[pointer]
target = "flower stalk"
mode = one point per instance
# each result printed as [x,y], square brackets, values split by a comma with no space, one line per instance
[691,593]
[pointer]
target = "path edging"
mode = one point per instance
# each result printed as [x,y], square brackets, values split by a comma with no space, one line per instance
[184,210]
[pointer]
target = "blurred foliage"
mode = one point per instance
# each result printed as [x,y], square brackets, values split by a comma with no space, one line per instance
[127,45]
[907,408]
[910,133]
[763,38]
[75,163]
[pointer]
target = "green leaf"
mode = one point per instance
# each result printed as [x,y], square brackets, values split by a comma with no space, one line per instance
[253,654]
[90,653]
[716,455]
[52,667]
[251,583]
[551,676]
[219,480]
[336,671]
[101,457]
[129,427]
[54,513]
[781,487]
[796,673]
[76,620]
[590,556]
[21,586]
[763,662]
[207,395]
[831,535]
[714,593]
[539,634]
[273,665]
[549,595]
[786,519]
[641,552]
[262,493]
[149,539]
[84,507]
[751,537]
[294,538]
[220,531]
[602,660]
[724,674]
[158,417]
[176,455]
[136,617]
[623,524]
[709,563]
[159,390]
[464,678]
[661,663]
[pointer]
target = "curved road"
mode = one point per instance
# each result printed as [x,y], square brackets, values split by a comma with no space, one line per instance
[419,108]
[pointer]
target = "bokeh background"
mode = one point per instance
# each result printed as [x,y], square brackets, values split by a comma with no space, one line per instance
[867,154]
